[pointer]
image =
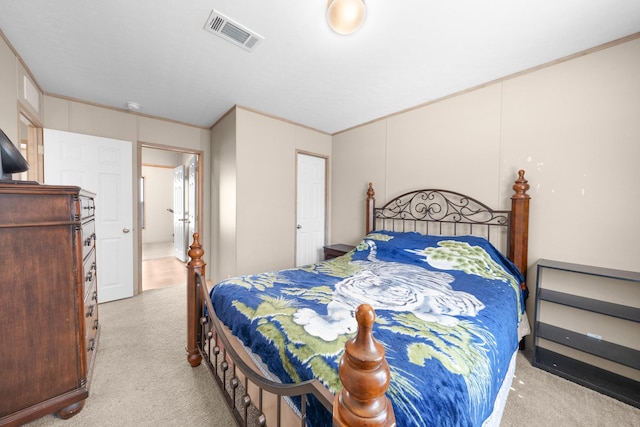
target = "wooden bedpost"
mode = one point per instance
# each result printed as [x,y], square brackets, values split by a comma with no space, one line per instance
[519,238]
[195,264]
[371,201]
[365,377]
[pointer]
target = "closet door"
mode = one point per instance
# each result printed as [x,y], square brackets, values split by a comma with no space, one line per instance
[311,209]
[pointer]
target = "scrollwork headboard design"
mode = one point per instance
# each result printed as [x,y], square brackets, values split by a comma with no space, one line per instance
[443,212]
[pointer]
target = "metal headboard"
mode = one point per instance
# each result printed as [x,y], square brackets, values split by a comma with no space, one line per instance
[443,212]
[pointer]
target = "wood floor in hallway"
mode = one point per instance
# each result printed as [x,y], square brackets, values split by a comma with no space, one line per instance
[160,271]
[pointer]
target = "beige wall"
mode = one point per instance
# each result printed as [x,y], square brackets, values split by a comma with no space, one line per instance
[266,184]
[359,157]
[223,201]
[157,171]
[8,92]
[158,223]
[573,126]
[257,190]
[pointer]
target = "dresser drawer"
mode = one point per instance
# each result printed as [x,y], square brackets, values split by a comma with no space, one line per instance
[91,326]
[91,340]
[89,278]
[91,312]
[87,207]
[88,237]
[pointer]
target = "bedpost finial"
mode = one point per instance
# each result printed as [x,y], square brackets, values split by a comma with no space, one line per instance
[370,192]
[365,316]
[363,396]
[521,186]
[371,202]
[196,252]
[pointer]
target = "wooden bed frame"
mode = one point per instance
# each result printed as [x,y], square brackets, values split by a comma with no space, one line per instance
[363,369]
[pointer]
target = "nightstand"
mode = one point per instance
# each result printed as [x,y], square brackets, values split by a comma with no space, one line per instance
[333,251]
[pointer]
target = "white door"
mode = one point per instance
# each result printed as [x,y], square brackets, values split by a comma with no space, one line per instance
[179,229]
[193,178]
[310,209]
[102,166]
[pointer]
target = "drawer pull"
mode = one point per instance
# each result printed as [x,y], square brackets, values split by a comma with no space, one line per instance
[89,276]
[91,309]
[95,324]
[94,297]
[92,344]
[89,240]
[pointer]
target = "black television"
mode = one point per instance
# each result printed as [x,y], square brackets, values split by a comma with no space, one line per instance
[11,160]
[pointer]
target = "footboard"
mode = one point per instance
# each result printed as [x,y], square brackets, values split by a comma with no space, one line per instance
[253,399]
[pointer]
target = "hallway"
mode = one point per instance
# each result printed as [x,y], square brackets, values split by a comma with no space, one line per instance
[160,268]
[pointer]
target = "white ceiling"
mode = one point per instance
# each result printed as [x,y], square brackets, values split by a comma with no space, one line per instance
[408,52]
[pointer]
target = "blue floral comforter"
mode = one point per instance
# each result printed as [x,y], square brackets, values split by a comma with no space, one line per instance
[447,314]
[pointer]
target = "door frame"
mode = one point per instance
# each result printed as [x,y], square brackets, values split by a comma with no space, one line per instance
[199,194]
[34,140]
[326,200]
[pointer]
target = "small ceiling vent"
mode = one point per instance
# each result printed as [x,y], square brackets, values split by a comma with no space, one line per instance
[233,32]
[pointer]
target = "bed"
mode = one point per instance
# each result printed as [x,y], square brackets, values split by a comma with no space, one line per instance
[438,280]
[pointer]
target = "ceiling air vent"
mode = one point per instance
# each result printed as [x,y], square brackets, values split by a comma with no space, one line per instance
[232,32]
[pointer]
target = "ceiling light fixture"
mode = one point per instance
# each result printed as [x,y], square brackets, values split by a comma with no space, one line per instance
[346,16]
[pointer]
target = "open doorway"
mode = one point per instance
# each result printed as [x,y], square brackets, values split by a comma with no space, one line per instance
[169,206]
[30,135]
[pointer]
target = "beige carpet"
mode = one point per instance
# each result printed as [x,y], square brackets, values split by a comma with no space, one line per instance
[538,398]
[142,378]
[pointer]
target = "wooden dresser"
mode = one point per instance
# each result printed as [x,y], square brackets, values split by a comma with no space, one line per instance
[48,300]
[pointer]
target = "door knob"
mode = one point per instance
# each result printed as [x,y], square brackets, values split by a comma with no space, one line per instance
[125,230]
[298,226]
